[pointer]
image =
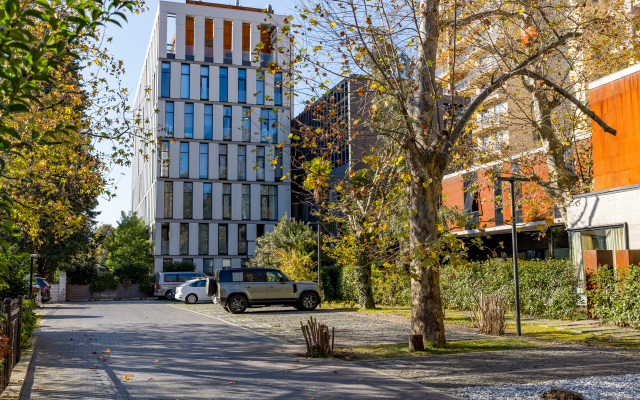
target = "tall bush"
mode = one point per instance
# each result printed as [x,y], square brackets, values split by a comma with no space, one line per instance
[17,279]
[82,274]
[288,235]
[616,296]
[548,288]
[131,273]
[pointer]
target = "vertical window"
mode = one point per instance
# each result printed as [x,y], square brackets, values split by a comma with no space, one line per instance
[204,161]
[265,39]
[188,120]
[277,89]
[206,201]
[246,202]
[171,36]
[203,239]
[168,199]
[226,201]
[164,238]
[246,43]
[204,82]
[260,163]
[260,90]
[246,124]
[497,201]
[222,161]
[278,165]
[226,123]
[184,160]
[184,81]
[242,239]
[164,168]
[242,86]
[207,267]
[269,126]
[166,80]
[208,121]
[226,263]
[242,163]
[222,239]
[208,40]
[269,202]
[189,39]
[224,84]
[227,29]
[187,201]
[259,230]
[184,239]
[168,118]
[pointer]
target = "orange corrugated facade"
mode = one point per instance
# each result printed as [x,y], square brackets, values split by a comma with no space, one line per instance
[616,159]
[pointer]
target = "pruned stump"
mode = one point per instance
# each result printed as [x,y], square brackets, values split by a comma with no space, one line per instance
[559,393]
[416,343]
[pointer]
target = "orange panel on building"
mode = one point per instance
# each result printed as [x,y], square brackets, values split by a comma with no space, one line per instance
[616,159]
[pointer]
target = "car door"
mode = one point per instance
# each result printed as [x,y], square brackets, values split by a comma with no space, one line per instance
[256,285]
[200,289]
[280,287]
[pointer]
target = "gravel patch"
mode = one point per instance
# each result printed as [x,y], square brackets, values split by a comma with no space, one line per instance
[593,388]
[352,328]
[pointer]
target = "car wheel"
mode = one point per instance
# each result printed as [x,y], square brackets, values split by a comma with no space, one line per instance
[309,301]
[168,295]
[191,299]
[226,309]
[237,304]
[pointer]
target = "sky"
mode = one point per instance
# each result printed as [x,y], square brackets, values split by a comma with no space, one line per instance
[129,44]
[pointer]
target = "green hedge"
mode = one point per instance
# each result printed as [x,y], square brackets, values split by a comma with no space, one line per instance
[29,321]
[547,287]
[616,297]
[105,280]
[179,266]
[81,274]
[132,273]
[391,286]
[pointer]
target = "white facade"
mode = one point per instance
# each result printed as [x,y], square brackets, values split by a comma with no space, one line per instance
[194,159]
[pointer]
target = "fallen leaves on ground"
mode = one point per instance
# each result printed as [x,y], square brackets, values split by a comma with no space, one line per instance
[94,367]
[107,351]
[127,377]
[231,383]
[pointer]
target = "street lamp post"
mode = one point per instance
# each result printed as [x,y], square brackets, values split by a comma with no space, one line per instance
[32,256]
[514,242]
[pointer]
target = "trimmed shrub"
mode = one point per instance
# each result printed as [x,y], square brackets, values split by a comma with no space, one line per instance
[131,273]
[104,281]
[179,266]
[616,297]
[29,321]
[548,288]
[82,274]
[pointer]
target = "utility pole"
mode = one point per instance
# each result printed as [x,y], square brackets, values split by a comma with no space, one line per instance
[514,242]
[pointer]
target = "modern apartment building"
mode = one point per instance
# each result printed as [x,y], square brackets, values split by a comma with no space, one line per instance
[212,95]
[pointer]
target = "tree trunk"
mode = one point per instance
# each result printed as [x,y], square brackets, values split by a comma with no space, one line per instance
[363,279]
[427,317]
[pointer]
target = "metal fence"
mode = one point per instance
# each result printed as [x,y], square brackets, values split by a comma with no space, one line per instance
[11,330]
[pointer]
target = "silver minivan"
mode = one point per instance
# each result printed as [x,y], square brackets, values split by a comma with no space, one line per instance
[166,282]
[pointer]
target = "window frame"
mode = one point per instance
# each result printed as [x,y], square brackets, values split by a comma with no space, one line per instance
[185,81]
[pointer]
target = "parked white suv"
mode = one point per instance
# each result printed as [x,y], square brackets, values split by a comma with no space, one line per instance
[193,291]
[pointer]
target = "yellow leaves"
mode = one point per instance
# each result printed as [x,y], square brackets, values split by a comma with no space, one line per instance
[332,24]
[399,159]
[107,351]
[127,377]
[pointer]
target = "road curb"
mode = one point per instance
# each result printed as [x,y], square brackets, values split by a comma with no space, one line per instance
[20,371]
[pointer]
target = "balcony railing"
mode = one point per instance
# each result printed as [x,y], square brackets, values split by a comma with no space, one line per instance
[171,50]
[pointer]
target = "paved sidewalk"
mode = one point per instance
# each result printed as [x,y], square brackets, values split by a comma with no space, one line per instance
[150,350]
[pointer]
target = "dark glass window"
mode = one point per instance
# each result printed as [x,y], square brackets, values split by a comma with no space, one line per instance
[497,201]
[223,230]
[246,124]
[204,160]
[166,80]
[242,163]
[242,239]
[226,201]
[184,81]
[168,118]
[203,239]
[168,199]
[269,202]
[208,121]
[222,161]
[187,201]
[277,89]
[246,202]
[207,201]
[207,267]
[260,160]
[188,120]
[260,90]
[164,238]
[269,126]
[242,86]
[278,165]
[184,239]
[204,82]
[184,159]
[224,84]
[164,168]
[226,123]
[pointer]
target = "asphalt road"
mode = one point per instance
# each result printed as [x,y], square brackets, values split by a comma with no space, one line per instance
[151,350]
